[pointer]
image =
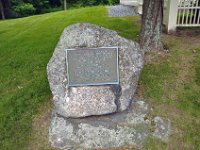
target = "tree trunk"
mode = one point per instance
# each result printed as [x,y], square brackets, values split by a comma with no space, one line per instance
[65,4]
[2,11]
[7,8]
[150,35]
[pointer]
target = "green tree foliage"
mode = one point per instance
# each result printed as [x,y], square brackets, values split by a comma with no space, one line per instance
[55,3]
[25,9]
[113,2]
[21,8]
[92,2]
[30,7]
[41,6]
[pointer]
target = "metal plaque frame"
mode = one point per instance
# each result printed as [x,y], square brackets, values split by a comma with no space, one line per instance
[93,83]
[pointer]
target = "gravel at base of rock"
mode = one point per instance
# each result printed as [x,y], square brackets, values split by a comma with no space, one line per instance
[121,10]
[162,128]
[115,130]
[93,100]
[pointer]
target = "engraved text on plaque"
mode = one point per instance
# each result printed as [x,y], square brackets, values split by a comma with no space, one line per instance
[96,66]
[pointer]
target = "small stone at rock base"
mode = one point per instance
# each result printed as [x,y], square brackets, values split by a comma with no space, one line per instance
[162,128]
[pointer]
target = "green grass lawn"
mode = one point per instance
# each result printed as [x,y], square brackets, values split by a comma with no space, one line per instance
[169,81]
[26,46]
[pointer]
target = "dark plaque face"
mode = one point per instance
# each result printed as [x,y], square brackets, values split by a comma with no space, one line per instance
[97,66]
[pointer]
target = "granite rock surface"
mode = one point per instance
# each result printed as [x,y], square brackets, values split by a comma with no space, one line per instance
[121,10]
[96,132]
[162,128]
[93,100]
[131,127]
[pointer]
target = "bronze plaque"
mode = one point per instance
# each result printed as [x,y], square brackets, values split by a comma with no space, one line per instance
[97,66]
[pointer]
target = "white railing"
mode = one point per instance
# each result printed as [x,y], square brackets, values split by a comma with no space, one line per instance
[181,13]
[188,13]
[177,13]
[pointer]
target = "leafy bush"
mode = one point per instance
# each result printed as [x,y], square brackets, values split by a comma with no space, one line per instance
[25,9]
[87,2]
[92,2]
[41,6]
[113,2]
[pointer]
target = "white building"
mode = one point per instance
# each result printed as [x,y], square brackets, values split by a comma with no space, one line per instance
[137,3]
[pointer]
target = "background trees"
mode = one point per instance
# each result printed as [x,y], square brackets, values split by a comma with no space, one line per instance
[2,15]
[21,8]
[6,9]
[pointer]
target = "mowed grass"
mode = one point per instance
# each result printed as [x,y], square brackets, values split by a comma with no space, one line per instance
[171,83]
[26,46]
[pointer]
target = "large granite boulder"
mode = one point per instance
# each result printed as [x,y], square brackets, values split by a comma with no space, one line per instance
[93,100]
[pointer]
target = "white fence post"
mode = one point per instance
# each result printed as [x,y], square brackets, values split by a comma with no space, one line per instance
[170,15]
[140,4]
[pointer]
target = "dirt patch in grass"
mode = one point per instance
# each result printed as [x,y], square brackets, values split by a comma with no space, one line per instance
[154,57]
[40,126]
[189,32]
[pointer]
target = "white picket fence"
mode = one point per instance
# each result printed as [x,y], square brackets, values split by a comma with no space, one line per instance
[177,13]
[188,13]
[181,13]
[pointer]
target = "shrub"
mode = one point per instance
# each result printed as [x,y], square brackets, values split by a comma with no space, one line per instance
[89,2]
[113,2]
[25,9]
